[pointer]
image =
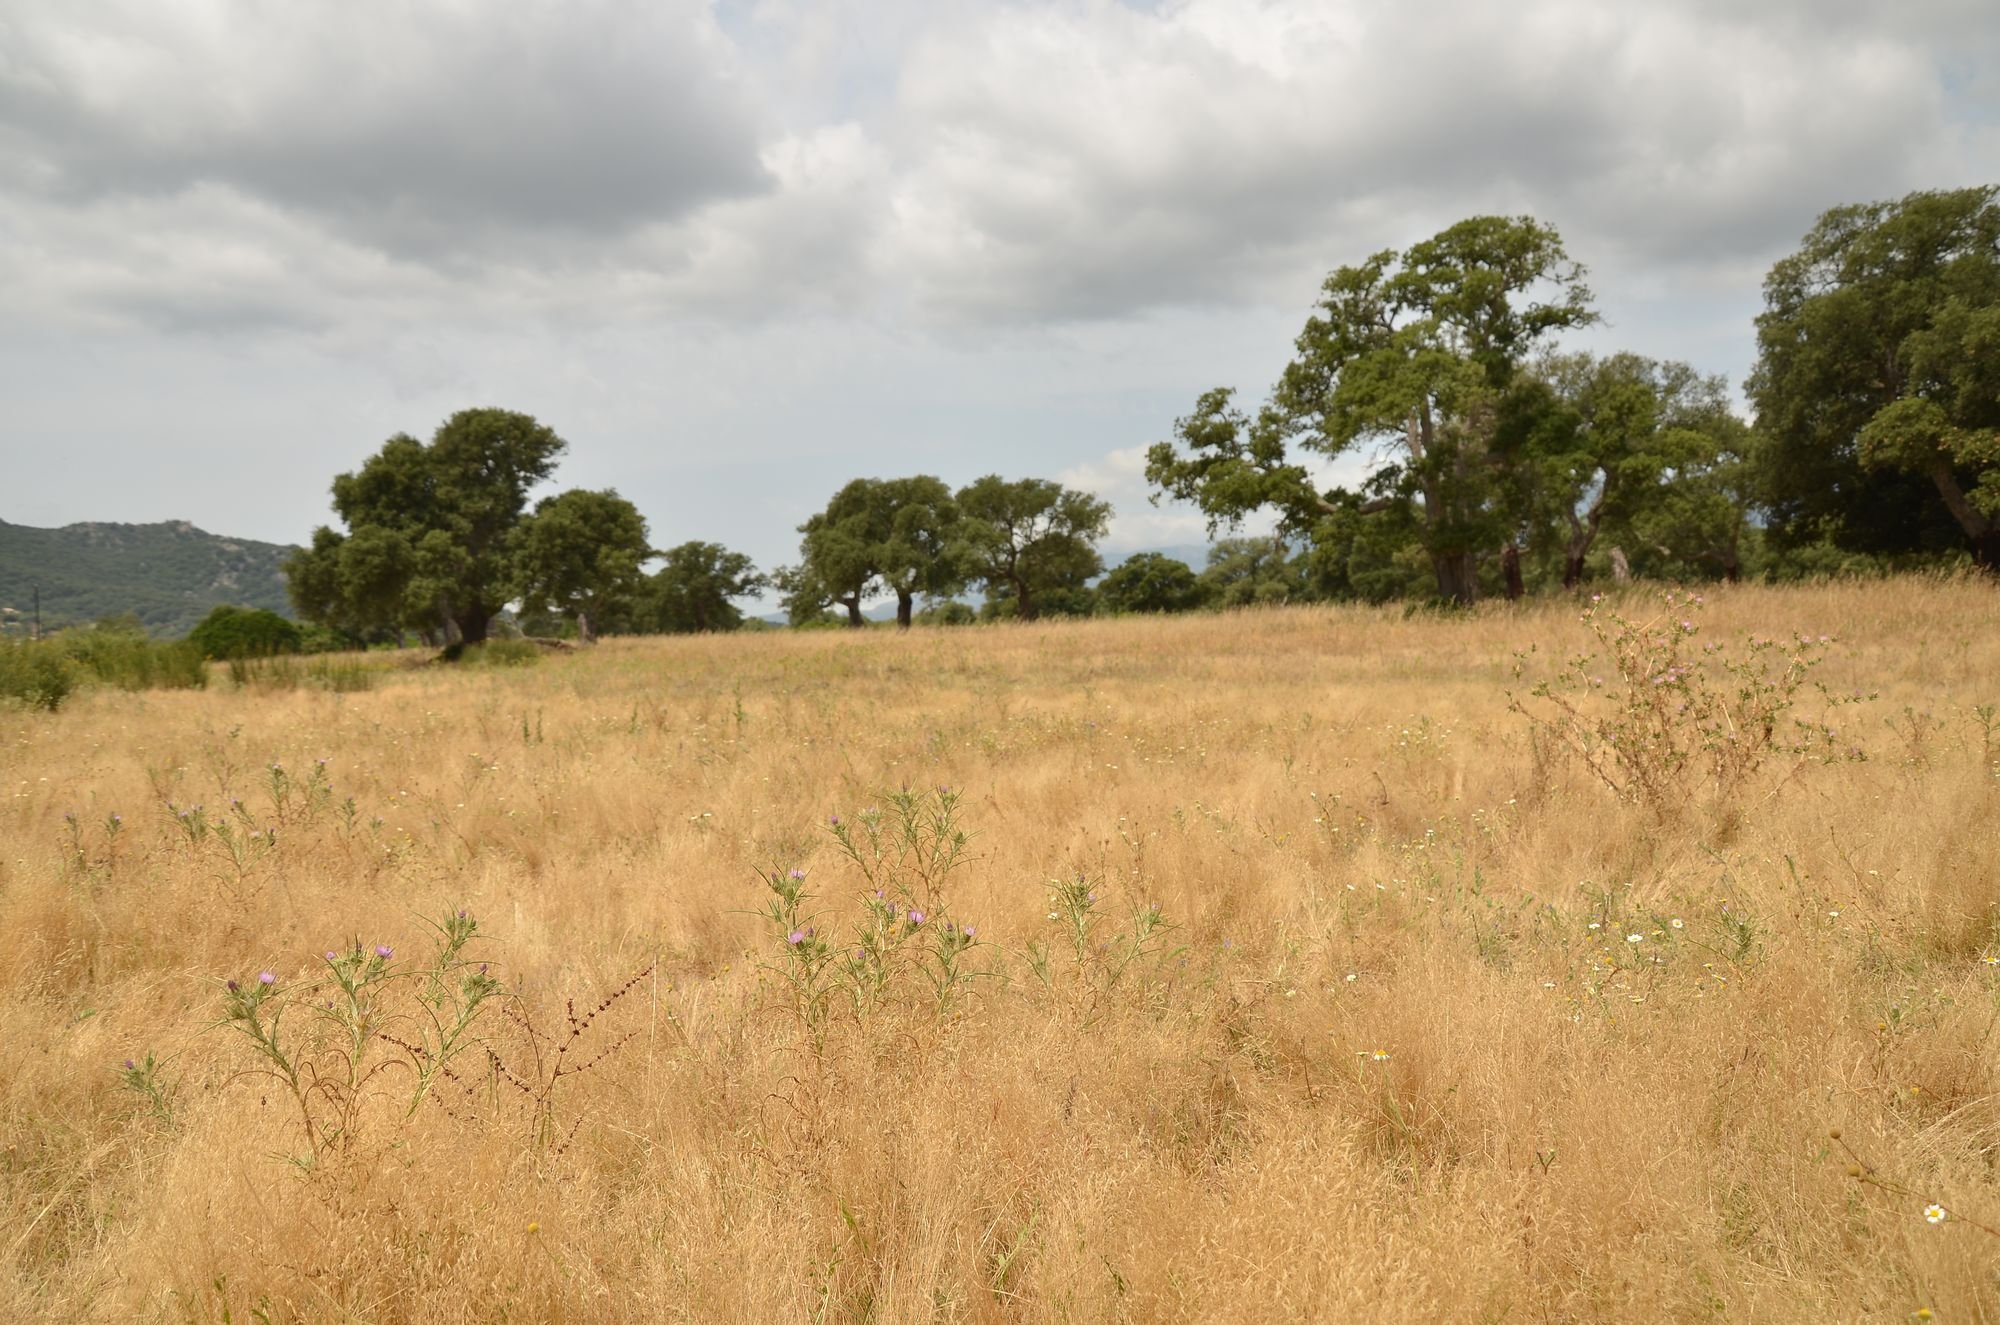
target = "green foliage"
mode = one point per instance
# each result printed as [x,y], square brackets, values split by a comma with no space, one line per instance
[336,673]
[1030,540]
[580,554]
[1246,572]
[163,575]
[1151,582]
[1643,453]
[1878,378]
[1416,352]
[949,612]
[430,529]
[897,535]
[38,673]
[691,593]
[244,632]
[499,652]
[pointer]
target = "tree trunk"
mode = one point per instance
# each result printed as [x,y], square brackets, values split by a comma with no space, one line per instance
[1458,577]
[584,634]
[1024,605]
[1572,569]
[903,604]
[1510,568]
[1986,551]
[855,620]
[1985,535]
[1621,568]
[473,624]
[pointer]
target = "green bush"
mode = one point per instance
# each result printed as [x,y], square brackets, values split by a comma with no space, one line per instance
[133,662]
[341,675]
[245,632]
[500,653]
[37,673]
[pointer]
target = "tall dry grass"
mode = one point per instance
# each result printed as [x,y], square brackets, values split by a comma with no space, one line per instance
[1397,1061]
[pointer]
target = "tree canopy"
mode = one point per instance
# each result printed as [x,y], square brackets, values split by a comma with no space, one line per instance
[1412,355]
[1026,537]
[430,529]
[1878,377]
[580,554]
[692,592]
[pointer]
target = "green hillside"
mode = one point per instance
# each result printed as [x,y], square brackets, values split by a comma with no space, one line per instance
[169,575]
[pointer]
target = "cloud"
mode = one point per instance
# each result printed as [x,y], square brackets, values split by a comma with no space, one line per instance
[422,129]
[1090,160]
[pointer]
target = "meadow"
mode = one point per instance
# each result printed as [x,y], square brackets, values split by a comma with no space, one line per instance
[1269,966]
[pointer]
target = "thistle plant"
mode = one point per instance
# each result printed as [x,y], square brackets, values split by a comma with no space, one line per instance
[367,1027]
[1656,712]
[142,1078]
[1092,955]
[907,851]
[903,933]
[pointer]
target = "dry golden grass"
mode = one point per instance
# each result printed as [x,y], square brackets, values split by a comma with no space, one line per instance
[1335,807]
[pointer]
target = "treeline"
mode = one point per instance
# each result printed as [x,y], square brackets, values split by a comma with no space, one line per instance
[1498,465]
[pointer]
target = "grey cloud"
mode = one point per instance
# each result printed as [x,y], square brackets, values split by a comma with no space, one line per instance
[427,134]
[1097,162]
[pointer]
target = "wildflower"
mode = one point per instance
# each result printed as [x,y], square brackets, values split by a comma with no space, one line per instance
[266,978]
[1935,1214]
[1595,925]
[131,1066]
[916,918]
[384,951]
[1054,916]
[1380,1055]
[798,874]
[1635,938]
[1991,960]
[1677,922]
[970,931]
[797,936]
[1351,976]
[232,986]
[332,956]
[833,820]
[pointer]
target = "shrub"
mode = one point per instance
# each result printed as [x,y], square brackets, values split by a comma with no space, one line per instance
[245,632]
[37,673]
[1654,717]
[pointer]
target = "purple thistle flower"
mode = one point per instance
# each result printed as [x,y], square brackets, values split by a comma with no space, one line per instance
[384,951]
[916,918]
[131,1066]
[266,979]
[796,937]
[970,931]
[232,986]
[834,820]
[798,874]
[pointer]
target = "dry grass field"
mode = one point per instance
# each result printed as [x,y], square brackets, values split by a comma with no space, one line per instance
[1285,975]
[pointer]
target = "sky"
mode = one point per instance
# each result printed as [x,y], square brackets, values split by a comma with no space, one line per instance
[739,252]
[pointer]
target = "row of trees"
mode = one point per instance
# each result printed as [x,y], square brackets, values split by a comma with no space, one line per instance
[1501,462]
[439,541]
[1029,543]
[1497,463]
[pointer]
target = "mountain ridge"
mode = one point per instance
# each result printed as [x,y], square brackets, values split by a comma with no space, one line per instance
[168,573]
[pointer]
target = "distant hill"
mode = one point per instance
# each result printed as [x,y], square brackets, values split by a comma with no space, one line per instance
[169,575]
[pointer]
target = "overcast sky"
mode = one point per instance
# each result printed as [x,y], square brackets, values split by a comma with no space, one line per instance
[740,252]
